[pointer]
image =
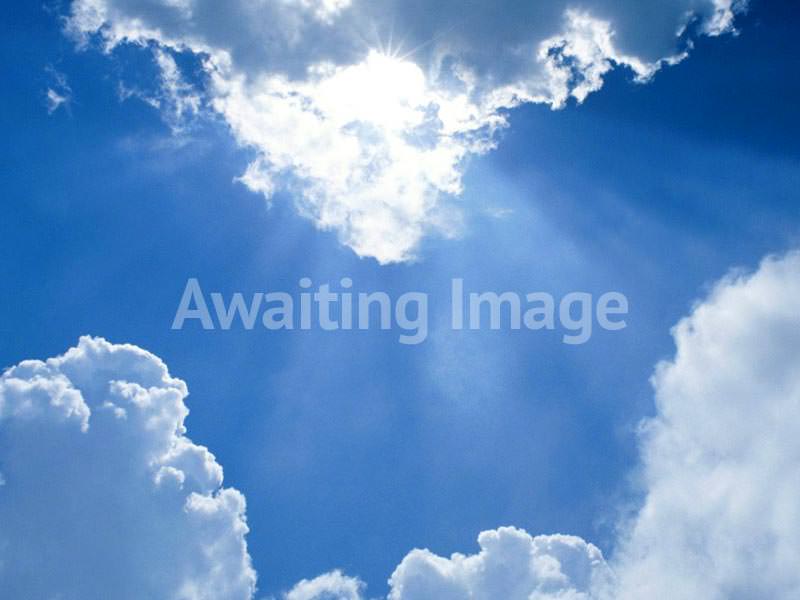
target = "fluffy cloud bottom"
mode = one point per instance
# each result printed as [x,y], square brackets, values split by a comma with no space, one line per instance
[102,495]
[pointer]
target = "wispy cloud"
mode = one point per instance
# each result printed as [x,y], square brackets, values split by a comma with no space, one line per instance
[59,93]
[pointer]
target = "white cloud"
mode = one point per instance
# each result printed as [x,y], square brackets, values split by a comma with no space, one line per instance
[104,495]
[368,109]
[177,100]
[330,586]
[342,141]
[722,458]
[511,565]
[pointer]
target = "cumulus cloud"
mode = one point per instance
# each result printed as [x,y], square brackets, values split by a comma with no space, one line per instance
[103,494]
[511,565]
[367,110]
[721,459]
[330,586]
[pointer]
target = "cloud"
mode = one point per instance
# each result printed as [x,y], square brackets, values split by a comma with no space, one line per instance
[511,565]
[720,469]
[330,586]
[177,100]
[103,493]
[721,460]
[368,110]
[59,93]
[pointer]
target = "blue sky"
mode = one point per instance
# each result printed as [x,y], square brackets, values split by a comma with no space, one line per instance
[350,448]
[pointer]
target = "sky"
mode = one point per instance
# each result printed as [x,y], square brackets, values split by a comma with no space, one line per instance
[164,142]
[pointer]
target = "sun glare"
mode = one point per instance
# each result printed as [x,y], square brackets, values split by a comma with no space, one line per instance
[384,90]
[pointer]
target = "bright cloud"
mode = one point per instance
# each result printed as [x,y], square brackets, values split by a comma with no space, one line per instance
[103,495]
[511,565]
[331,586]
[722,458]
[367,110]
